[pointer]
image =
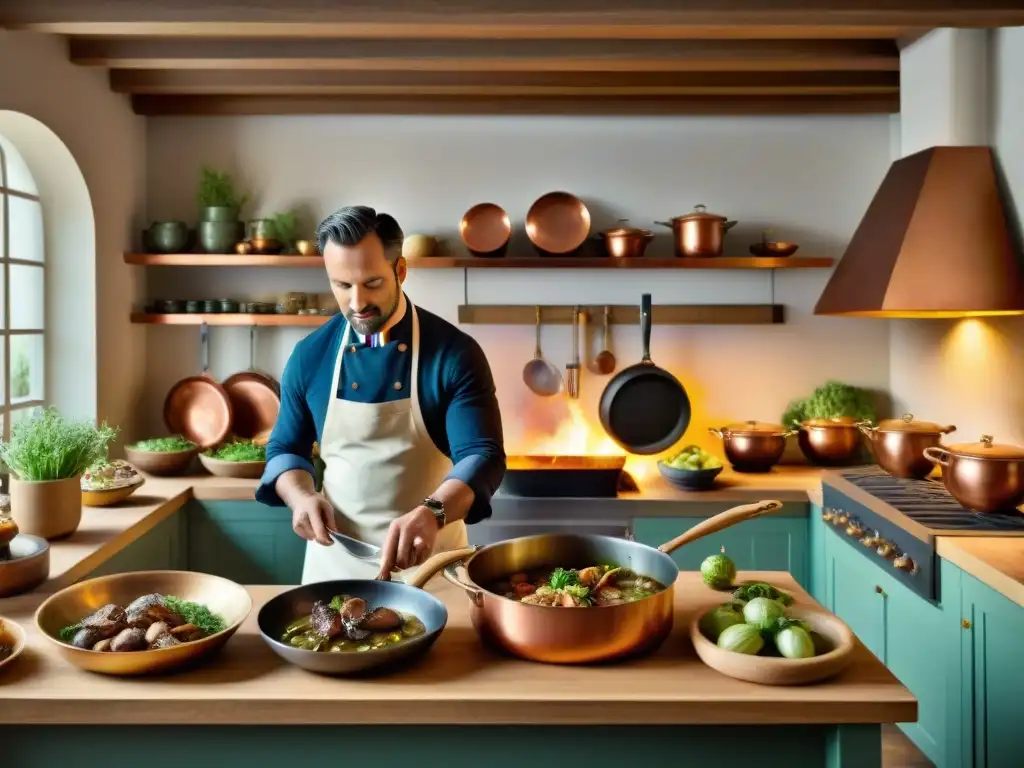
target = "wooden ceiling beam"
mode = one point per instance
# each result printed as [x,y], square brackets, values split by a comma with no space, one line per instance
[536,19]
[493,56]
[205,105]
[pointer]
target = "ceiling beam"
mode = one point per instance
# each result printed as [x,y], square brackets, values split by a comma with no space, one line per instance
[493,56]
[156,105]
[526,19]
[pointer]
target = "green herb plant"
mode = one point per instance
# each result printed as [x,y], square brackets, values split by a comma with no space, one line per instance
[217,190]
[832,400]
[49,447]
[285,227]
[240,450]
[172,444]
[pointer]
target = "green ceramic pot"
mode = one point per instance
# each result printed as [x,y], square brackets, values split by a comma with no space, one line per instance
[220,236]
[262,229]
[166,237]
[219,213]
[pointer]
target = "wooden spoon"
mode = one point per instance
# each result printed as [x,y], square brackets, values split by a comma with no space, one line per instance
[604,363]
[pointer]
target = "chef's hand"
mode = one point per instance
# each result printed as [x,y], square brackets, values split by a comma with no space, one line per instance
[410,540]
[312,515]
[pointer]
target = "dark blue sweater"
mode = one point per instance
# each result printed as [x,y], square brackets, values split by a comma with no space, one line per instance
[456,391]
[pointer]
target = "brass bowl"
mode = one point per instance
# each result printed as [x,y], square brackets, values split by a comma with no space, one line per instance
[776,249]
[243,248]
[306,248]
[69,606]
[11,633]
[106,497]
[266,245]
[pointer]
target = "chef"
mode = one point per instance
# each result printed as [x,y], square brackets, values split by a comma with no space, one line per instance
[403,407]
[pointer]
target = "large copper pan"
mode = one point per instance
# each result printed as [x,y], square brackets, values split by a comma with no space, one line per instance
[558,223]
[485,229]
[198,407]
[581,635]
[255,399]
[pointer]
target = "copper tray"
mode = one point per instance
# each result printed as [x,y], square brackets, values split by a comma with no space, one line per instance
[255,403]
[558,223]
[199,409]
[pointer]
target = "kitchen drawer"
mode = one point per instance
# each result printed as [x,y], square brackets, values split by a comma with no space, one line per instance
[492,531]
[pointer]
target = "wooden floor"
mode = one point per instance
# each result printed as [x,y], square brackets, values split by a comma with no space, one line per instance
[899,752]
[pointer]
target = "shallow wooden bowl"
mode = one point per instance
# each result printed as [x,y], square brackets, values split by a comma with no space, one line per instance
[69,606]
[11,631]
[160,463]
[107,496]
[774,670]
[251,470]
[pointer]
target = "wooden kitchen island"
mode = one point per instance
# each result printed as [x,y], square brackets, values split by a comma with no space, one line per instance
[463,704]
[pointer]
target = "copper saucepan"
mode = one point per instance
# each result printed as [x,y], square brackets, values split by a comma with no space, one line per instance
[486,229]
[624,242]
[985,477]
[577,636]
[899,444]
[558,223]
[699,234]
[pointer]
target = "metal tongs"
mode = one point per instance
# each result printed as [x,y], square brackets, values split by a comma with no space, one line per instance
[572,370]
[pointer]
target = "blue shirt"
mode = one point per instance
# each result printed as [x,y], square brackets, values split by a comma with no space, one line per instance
[456,391]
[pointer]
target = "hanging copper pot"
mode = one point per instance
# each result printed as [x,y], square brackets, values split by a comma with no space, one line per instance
[899,444]
[698,235]
[558,223]
[486,229]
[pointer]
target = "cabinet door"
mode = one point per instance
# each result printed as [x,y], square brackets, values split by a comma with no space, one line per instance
[816,532]
[854,594]
[159,549]
[996,629]
[764,544]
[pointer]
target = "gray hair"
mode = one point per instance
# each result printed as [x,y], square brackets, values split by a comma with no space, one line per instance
[351,224]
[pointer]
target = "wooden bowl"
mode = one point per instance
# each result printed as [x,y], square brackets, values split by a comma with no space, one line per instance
[11,631]
[776,670]
[229,600]
[250,470]
[160,463]
[27,567]
[108,496]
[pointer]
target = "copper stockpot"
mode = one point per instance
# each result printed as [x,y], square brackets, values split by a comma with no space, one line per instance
[626,242]
[699,234]
[753,446]
[583,635]
[984,477]
[899,444]
[829,442]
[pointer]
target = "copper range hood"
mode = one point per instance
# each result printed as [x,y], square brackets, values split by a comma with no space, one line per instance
[934,243]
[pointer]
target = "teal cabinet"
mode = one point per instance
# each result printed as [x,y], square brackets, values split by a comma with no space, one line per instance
[853,593]
[990,638]
[162,548]
[816,531]
[244,541]
[771,543]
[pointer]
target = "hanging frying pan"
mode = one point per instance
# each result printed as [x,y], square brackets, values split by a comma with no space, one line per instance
[644,408]
[255,399]
[198,408]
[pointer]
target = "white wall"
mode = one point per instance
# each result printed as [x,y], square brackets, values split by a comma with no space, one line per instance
[108,143]
[810,178]
[965,372]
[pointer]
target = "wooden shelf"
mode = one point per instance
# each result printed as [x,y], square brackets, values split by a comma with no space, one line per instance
[234,318]
[473,262]
[661,314]
[220,260]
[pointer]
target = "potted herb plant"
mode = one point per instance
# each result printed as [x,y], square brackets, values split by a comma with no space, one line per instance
[220,206]
[46,457]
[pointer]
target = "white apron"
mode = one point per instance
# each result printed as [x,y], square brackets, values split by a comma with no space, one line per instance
[379,464]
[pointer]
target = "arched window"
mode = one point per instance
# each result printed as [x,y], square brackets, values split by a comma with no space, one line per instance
[23,310]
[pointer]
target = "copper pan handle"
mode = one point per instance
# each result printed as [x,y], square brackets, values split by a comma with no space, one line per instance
[935,454]
[433,565]
[476,595]
[722,520]
[718,432]
[869,429]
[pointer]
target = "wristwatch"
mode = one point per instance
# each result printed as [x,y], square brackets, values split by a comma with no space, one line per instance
[437,508]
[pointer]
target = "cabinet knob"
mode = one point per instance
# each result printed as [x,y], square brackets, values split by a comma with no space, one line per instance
[905,563]
[871,541]
[854,530]
[885,549]
[841,518]
[879,590]
[827,515]
[965,623]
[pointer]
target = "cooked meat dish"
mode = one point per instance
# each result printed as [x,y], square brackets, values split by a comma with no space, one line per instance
[595,585]
[146,623]
[348,624]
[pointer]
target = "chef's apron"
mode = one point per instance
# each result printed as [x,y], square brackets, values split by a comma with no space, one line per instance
[380,463]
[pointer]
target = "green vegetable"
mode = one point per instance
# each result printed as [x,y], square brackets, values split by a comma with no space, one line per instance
[562,578]
[197,614]
[172,444]
[217,190]
[578,591]
[240,450]
[832,400]
[762,613]
[68,633]
[49,447]
[693,457]
[337,601]
[718,571]
[741,638]
[794,643]
[713,623]
[751,589]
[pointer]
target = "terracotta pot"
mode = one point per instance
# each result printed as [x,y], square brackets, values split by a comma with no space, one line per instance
[983,477]
[50,509]
[753,446]
[829,442]
[899,444]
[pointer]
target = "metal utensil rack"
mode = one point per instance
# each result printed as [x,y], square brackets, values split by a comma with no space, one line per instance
[625,314]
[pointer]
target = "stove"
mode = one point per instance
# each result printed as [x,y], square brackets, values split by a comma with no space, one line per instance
[894,521]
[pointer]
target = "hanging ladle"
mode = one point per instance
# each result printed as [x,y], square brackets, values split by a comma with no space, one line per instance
[540,376]
[604,363]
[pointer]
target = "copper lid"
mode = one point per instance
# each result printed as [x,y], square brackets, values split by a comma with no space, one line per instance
[701,212]
[908,424]
[627,232]
[755,428]
[841,421]
[986,449]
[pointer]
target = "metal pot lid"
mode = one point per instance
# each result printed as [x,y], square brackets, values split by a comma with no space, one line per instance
[622,230]
[700,212]
[839,422]
[755,428]
[986,449]
[908,424]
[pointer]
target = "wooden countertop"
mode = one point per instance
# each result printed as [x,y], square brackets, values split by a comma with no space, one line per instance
[459,682]
[997,561]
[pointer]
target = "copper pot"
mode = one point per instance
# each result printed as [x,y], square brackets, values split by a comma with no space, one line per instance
[899,444]
[753,446]
[983,477]
[829,442]
[577,636]
[626,242]
[700,234]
